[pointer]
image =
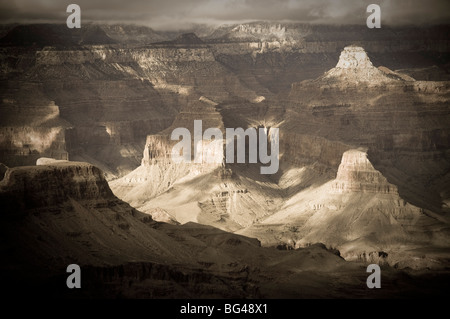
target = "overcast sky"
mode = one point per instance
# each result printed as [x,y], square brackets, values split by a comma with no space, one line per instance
[173,14]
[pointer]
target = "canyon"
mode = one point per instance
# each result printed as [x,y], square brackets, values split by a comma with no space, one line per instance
[364,172]
[71,216]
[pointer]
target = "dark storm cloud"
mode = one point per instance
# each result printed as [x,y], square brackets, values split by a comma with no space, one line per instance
[176,13]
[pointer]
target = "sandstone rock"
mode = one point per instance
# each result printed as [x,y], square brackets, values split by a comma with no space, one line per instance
[354,66]
[47,161]
[121,251]
[49,185]
[353,57]
[110,104]
[357,174]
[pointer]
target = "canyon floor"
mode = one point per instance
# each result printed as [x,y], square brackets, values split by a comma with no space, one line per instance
[87,174]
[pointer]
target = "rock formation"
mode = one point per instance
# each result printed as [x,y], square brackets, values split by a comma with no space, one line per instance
[364,142]
[63,181]
[327,190]
[357,174]
[69,215]
[126,94]
[158,172]
[354,66]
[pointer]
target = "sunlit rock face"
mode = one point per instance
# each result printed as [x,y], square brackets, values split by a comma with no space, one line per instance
[354,66]
[353,57]
[363,142]
[341,134]
[159,171]
[357,174]
[107,98]
[111,92]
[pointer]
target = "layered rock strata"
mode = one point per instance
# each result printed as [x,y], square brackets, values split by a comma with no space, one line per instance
[357,174]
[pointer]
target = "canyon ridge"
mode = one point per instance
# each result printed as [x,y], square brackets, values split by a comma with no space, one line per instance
[87,175]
